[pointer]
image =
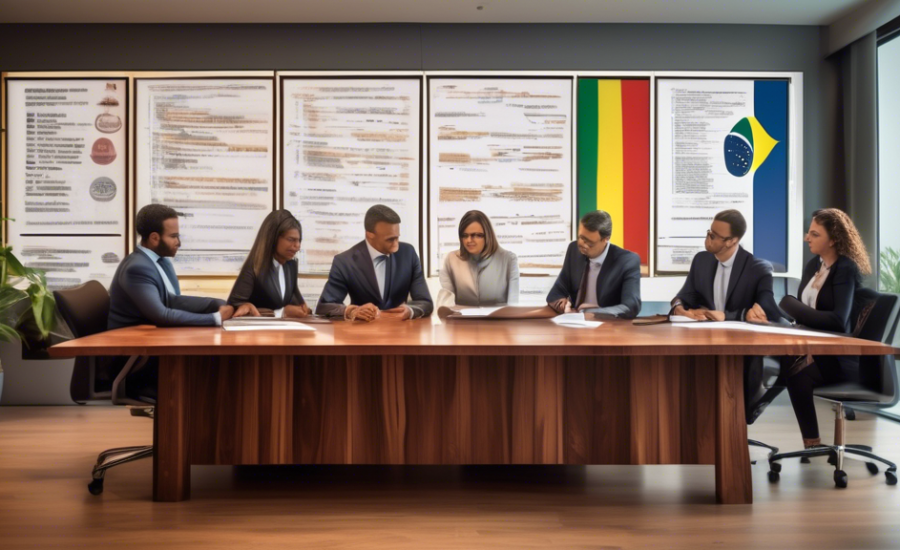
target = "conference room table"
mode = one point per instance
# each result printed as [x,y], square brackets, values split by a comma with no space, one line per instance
[454,391]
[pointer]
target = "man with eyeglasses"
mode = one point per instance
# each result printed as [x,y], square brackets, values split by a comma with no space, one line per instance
[726,282]
[598,276]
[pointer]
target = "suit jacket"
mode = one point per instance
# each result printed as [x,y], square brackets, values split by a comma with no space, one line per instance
[138,296]
[835,299]
[353,272]
[264,290]
[750,283]
[618,286]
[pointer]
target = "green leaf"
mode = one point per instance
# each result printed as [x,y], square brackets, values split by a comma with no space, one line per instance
[10,296]
[44,307]
[8,334]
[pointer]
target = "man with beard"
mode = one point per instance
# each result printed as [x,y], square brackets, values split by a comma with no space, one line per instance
[145,290]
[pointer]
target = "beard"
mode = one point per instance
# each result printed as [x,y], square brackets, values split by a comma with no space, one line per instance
[165,250]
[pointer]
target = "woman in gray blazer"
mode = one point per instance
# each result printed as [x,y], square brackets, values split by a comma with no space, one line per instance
[480,273]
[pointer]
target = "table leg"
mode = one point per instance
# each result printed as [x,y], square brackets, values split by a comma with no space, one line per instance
[733,483]
[171,467]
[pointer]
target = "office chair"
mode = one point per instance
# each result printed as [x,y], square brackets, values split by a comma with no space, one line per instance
[762,384]
[85,308]
[877,386]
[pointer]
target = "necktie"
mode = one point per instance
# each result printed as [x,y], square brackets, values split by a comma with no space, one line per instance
[387,281]
[719,297]
[582,287]
[170,272]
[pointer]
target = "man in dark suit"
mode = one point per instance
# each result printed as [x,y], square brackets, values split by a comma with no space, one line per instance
[145,290]
[726,282]
[598,276]
[380,274]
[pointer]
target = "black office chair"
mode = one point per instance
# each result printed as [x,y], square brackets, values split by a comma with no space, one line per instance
[85,308]
[762,384]
[877,386]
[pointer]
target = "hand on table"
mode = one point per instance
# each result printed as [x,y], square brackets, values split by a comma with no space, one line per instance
[247,309]
[711,315]
[226,312]
[400,313]
[756,314]
[696,314]
[296,312]
[560,305]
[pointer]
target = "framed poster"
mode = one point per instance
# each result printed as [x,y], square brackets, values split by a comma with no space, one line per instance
[722,143]
[205,146]
[349,143]
[67,174]
[502,145]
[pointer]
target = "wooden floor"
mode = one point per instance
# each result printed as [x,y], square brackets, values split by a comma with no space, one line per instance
[46,454]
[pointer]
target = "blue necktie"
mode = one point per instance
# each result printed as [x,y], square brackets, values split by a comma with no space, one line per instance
[170,272]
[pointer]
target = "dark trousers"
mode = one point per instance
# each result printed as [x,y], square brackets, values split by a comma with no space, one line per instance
[823,372]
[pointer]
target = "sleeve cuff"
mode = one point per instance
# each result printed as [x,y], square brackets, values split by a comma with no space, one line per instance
[217,317]
[279,313]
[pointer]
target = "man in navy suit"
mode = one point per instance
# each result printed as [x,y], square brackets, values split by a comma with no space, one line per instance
[145,290]
[725,281]
[598,276]
[380,274]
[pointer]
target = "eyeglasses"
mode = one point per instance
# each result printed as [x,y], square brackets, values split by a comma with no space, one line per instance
[710,234]
[467,236]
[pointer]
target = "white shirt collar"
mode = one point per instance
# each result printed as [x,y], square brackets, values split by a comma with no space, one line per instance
[373,253]
[730,261]
[277,264]
[602,257]
[150,254]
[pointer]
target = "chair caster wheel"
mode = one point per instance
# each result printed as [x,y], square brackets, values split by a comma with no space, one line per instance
[773,476]
[891,477]
[96,487]
[775,467]
[872,467]
[840,479]
[849,414]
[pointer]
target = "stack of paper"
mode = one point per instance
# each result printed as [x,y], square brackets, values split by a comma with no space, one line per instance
[263,323]
[575,320]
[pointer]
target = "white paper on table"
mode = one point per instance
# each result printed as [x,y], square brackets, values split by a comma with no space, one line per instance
[682,319]
[478,311]
[749,327]
[261,325]
[575,320]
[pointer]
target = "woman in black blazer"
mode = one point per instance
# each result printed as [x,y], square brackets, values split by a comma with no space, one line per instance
[826,293]
[268,278]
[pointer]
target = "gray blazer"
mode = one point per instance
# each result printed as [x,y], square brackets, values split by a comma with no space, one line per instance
[138,296]
[490,282]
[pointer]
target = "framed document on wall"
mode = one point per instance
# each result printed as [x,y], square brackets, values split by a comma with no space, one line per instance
[67,174]
[502,145]
[724,143]
[206,147]
[349,142]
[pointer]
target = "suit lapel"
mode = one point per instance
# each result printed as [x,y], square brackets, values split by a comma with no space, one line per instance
[160,284]
[740,262]
[363,263]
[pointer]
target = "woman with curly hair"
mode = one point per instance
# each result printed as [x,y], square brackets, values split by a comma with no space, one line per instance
[826,293]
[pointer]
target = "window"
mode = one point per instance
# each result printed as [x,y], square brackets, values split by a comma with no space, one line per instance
[888,161]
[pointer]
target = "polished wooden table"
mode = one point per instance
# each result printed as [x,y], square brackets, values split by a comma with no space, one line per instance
[453,392]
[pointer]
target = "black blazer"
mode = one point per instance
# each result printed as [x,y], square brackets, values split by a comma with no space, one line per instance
[264,290]
[352,272]
[138,296]
[750,283]
[618,286]
[835,299]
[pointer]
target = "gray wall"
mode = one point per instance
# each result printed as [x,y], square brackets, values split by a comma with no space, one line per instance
[460,47]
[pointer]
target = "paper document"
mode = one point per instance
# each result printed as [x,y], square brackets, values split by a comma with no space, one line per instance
[478,311]
[750,327]
[575,320]
[682,319]
[263,323]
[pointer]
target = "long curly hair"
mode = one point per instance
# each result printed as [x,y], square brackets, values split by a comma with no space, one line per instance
[846,238]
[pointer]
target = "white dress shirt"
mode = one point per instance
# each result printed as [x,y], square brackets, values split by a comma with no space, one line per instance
[154,257]
[594,266]
[720,286]
[279,272]
[811,293]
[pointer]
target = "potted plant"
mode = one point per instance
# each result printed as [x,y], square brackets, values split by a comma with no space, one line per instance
[890,271]
[23,295]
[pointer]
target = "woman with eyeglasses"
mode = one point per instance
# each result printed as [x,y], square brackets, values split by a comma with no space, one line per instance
[825,300]
[480,273]
[268,278]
